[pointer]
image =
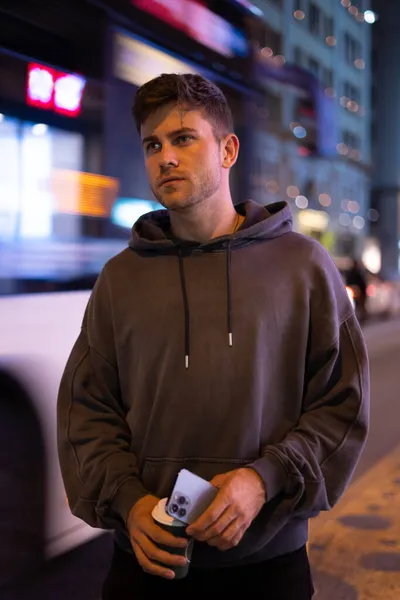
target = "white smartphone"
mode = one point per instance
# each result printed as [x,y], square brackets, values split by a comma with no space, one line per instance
[191,496]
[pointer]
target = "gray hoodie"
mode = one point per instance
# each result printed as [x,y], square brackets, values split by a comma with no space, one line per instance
[242,351]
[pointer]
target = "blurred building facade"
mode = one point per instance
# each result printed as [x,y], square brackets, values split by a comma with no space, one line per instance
[321,162]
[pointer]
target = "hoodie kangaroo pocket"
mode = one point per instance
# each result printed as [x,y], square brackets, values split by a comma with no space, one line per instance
[158,475]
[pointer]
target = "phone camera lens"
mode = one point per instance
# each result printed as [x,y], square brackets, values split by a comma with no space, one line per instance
[182,512]
[174,508]
[181,500]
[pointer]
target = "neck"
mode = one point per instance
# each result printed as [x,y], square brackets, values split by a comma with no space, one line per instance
[205,221]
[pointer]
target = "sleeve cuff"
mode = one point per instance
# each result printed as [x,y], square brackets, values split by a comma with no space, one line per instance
[128,493]
[272,473]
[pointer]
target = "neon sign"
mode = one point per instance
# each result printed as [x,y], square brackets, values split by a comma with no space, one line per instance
[54,90]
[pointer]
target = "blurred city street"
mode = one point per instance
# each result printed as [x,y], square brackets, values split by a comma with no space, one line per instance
[354,549]
[310,91]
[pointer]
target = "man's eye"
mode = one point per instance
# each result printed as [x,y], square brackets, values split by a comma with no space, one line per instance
[153,146]
[183,139]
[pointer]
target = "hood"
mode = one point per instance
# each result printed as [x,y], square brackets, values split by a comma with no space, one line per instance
[151,234]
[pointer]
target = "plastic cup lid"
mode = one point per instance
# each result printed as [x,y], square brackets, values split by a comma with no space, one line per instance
[159,514]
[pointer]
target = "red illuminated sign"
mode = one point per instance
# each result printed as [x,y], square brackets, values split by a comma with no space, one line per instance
[54,90]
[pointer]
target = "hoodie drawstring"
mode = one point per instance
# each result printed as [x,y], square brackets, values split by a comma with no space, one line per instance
[186,305]
[229,295]
[186,301]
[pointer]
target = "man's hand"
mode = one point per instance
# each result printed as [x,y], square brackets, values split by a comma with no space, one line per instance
[145,534]
[240,499]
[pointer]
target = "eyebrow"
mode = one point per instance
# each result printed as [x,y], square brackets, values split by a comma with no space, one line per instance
[171,134]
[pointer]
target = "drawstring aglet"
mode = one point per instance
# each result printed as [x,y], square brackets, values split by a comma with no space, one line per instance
[230,339]
[186,361]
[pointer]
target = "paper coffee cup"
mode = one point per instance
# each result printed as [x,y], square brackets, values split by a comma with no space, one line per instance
[168,523]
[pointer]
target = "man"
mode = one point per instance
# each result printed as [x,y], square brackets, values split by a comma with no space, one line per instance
[221,342]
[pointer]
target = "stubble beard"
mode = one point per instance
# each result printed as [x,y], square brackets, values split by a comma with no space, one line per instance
[200,192]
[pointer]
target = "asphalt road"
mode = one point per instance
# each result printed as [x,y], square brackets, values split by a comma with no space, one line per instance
[355,550]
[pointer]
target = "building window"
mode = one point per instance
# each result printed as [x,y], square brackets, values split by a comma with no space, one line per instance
[314,66]
[352,140]
[314,22]
[327,78]
[273,40]
[329,27]
[274,104]
[352,92]
[298,56]
[352,49]
[347,47]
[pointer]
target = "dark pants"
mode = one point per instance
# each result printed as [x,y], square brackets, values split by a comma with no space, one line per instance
[286,577]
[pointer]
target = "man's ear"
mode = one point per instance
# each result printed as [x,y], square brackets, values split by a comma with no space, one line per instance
[230,150]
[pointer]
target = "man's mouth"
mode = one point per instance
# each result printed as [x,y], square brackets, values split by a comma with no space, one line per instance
[170,180]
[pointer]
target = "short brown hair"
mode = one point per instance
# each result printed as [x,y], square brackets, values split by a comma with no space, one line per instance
[188,90]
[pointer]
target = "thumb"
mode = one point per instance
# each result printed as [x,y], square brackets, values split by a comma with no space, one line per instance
[219,480]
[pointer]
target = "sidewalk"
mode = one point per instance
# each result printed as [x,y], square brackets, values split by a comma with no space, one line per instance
[355,548]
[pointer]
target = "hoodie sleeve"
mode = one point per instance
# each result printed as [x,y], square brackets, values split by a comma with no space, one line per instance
[314,463]
[100,472]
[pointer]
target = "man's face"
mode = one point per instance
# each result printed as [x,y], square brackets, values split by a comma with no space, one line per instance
[183,159]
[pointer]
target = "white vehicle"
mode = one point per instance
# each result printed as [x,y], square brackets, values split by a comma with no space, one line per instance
[36,335]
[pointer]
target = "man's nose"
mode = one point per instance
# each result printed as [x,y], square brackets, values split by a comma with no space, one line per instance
[168,157]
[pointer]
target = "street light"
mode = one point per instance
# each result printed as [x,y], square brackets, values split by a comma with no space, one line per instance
[370,17]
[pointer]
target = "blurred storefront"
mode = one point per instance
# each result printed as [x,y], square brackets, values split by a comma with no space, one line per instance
[50,122]
[54,200]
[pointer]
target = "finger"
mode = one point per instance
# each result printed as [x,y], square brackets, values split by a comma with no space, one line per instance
[156,554]
[212,514]
[235,541]
[219,480]
[226,535]
[150,567]
[229,539]
[219,526]
[162,537]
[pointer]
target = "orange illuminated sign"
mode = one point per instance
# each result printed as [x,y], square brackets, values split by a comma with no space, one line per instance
[85,194]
